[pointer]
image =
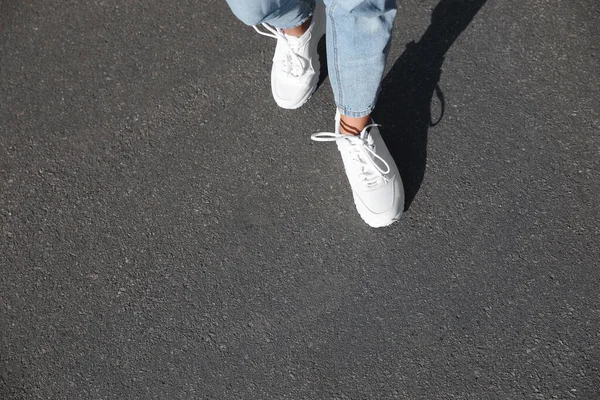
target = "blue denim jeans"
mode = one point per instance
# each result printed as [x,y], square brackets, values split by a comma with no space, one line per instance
[358,40]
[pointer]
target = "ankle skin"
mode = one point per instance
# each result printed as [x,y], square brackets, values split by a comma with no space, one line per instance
[298,30]
[354,126]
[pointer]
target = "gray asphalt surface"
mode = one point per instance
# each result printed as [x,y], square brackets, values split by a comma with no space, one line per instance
[168,233]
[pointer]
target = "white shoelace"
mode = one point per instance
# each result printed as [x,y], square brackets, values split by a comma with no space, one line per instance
[362,153]
[292,63]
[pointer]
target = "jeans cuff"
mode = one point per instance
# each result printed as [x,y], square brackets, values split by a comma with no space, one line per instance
[309,9]
[355,114]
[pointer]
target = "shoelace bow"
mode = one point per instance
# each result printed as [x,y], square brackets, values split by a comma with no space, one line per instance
[363,154]
[290,56]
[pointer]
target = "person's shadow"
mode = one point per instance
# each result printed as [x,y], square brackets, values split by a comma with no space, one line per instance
[404,104]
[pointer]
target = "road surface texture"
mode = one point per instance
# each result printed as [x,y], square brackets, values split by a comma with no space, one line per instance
[168,233]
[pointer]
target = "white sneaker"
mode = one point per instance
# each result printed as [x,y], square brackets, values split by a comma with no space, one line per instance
[374,178]
[295,71]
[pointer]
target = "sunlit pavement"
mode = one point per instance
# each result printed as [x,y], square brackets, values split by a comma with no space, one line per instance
[168,233]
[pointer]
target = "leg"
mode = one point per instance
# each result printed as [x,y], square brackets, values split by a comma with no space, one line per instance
[358,39]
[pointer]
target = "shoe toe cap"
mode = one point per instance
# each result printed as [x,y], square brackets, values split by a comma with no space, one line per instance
[381,207]
[291,95]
